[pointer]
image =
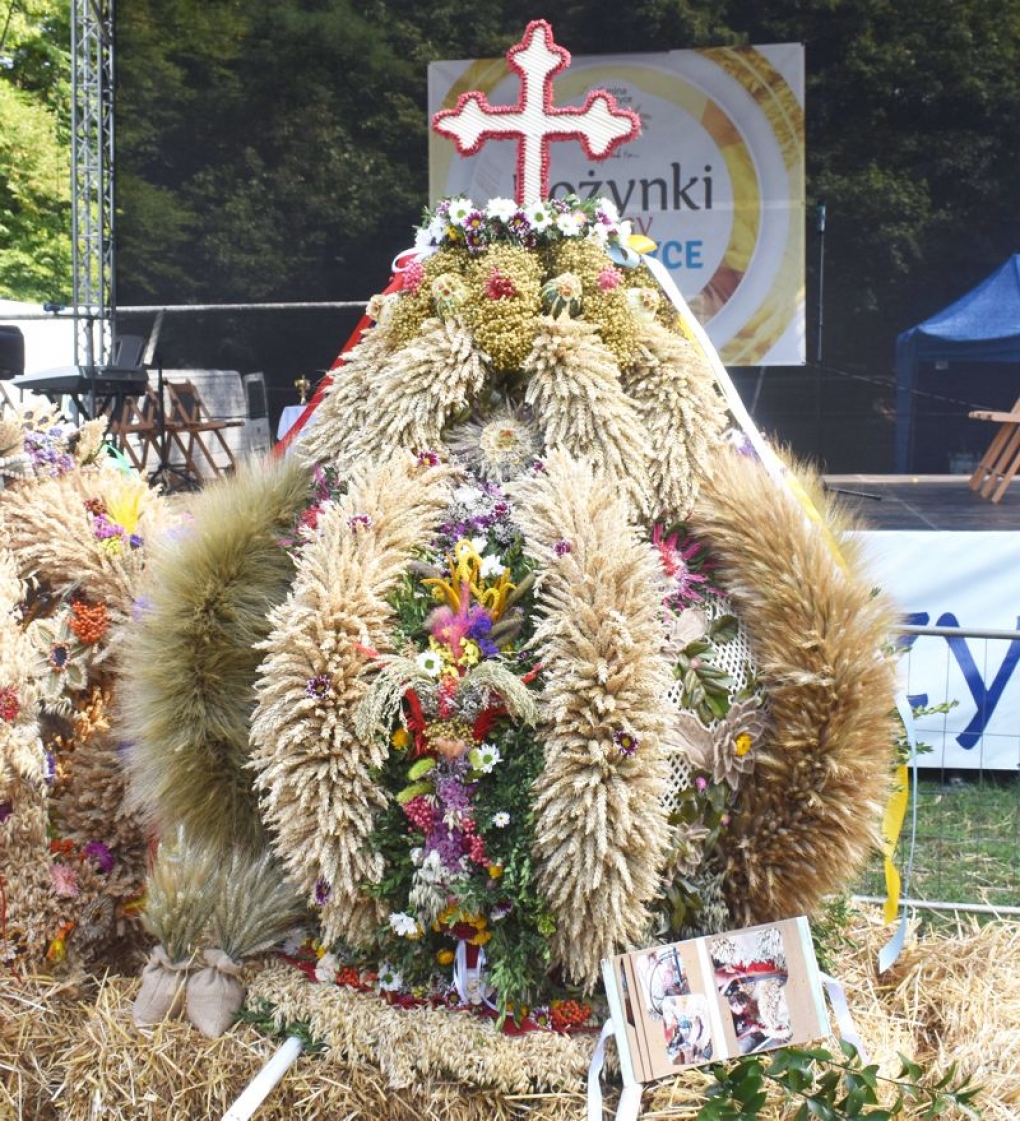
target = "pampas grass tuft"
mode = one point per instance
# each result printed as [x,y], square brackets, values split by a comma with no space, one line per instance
[189,663]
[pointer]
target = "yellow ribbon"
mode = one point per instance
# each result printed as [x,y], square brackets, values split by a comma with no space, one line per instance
[892,827]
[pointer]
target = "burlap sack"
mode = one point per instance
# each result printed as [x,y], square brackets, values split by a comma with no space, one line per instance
[215,993]
[162,992]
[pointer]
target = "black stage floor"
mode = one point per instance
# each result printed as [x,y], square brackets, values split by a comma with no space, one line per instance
[932,502]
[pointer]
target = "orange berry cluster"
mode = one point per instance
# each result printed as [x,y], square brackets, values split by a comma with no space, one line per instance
[566,1014]
[89,622]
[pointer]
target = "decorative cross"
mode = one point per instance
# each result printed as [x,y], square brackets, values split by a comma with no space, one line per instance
[600,124]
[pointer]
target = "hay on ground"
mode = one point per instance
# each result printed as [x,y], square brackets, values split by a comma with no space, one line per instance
[70,1052]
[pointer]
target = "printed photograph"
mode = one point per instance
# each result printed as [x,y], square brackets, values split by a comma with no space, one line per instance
[669,1001]
[751,973]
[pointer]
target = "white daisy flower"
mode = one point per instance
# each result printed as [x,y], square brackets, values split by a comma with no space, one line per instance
[294,941]
[607,209]
[568,225]
[468,496]
[389,979]
[404,925]
[326,968]
[459,210]
[492,566]
[430,662]
[437,230]
[503,209]
[538,216]
[501,820]
[484,758]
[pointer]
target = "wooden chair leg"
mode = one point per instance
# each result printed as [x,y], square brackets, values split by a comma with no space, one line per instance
[987,462]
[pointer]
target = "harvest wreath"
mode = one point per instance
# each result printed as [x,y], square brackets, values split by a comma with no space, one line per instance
[526,655]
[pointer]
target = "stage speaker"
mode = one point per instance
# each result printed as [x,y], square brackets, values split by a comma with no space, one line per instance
[12,352]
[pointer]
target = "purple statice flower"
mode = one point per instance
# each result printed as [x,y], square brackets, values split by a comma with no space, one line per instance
[359,521]
[140,608]
[538,465]
[104,529]
[322,893]
[97,852]
[135,541]
[561,548]
[501,509]
[454,795]
[448,844]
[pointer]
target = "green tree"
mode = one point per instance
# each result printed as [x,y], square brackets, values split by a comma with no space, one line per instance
[35,158]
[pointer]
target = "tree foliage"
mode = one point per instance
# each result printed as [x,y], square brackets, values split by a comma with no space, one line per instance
[278,151]
[35,158]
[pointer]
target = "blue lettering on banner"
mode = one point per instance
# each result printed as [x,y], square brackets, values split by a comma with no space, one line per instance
[680,254]
[984,699]
[904,642]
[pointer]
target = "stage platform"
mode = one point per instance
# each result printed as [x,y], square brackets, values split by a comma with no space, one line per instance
[925,502]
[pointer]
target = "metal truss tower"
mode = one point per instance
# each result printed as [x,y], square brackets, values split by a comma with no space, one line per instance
[92,203]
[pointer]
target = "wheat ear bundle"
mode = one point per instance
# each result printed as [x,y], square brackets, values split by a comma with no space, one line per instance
[189,663]
[313,772]
[600,829]
[809,815]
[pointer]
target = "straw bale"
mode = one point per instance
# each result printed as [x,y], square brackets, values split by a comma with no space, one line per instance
[961,994]
[69,1051]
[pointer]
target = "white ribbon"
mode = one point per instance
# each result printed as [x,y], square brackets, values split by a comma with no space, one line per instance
[403,260]
[844,1019]
[630,1099]
[467,980]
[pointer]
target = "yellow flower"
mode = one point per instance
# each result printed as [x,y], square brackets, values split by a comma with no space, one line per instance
[495,871]
[122,497]
[742,744]
[400,738]
[472,655]
[445,957]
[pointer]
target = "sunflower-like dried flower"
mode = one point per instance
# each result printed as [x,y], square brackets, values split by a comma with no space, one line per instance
[497,448]
[725,749]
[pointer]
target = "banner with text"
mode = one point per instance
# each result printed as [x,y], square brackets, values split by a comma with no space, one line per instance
[966,580]
[716,178]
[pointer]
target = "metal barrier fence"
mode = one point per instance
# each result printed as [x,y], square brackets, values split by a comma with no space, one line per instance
[960,846]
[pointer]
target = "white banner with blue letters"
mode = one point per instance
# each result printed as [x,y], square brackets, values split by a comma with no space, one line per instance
[970,581]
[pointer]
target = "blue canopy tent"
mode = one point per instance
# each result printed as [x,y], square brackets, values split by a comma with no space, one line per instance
[983,326]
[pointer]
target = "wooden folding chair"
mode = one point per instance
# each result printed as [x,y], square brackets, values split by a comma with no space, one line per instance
[1001,460]
[189,426]
[135,428]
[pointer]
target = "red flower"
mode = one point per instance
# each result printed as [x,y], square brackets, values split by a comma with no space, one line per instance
[500,286]
[10,706]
